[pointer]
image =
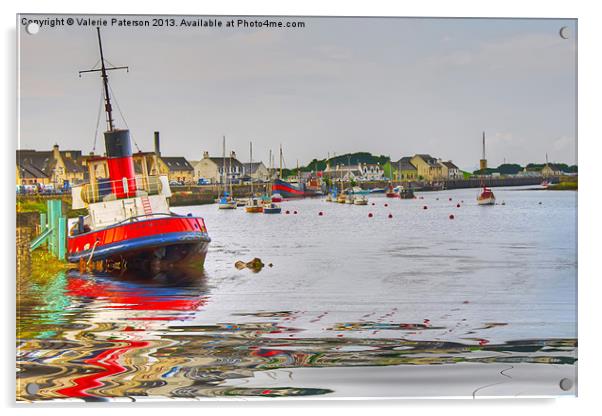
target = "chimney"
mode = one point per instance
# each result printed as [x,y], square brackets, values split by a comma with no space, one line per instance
[205,155]
[233,154]
[157,144]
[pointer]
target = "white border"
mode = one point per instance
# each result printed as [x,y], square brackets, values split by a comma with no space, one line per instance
[589,159]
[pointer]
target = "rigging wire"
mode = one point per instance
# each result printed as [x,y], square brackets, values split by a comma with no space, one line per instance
[122,117]
[98,120]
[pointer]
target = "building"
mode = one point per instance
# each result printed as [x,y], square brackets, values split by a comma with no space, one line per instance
[57,167]
[177,169]
[218,169]
[371,172]
[403,170]
[483,161]
[256,171]
[427,167]
[551,169]
[451,171]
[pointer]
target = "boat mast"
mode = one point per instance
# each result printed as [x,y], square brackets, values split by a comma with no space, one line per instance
[105,82]
[280,161]
[230,169]
[222,182]
[251,157]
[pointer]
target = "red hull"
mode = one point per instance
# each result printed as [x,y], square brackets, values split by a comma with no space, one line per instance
[151,243]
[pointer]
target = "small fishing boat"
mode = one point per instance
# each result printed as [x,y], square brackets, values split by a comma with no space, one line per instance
[390,192]
[253,205]
[271,208]
[356,190]
[406,193]
[276,197]
[360,200]
[226,202]
[486,197]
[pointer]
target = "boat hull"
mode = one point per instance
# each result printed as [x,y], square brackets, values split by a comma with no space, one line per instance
[486,201]
[153,244]
[287,189]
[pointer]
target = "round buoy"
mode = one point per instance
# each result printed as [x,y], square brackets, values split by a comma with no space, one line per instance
[451,216]
[373,203]
[421,197]
[294,212]
[287,212]
[539,202]
[370,215]
[390,215]
[437,199]
[425,207]
[462,201]
[450,199]
[320,213]
[458,206]
[386,205]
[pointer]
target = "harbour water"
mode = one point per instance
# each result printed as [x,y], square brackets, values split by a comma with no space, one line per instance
[416,304]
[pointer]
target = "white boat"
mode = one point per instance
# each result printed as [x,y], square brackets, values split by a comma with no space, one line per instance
[349,199]
[486,197]
[360,200]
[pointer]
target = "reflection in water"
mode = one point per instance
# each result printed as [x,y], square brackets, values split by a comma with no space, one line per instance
[363,294]
[141,345]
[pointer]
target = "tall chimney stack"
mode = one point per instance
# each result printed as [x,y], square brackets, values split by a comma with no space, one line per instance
[157,144]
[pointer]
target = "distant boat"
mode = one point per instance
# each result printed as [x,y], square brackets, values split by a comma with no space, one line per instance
[406,193]
[271,208]
[390,192]
[276,197]
[253,204]
[546,183]
[226,202]
[377,190]
[486,197]
[356,190]
[360,200]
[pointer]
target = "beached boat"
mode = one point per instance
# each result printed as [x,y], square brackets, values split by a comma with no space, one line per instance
[129,224]
[486,197]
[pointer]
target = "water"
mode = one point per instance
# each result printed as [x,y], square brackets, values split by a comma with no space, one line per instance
[346,305]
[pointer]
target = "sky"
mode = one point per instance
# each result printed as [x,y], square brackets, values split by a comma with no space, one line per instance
[389,86]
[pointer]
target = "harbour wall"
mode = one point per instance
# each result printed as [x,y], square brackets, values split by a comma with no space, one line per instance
[207,194]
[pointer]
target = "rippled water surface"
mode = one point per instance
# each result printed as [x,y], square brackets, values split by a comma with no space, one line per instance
[418,304]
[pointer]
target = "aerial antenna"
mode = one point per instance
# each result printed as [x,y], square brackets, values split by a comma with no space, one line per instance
[105,81]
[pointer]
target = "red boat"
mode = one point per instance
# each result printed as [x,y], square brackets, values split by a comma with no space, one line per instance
[390,192]
[486,197]
[129,223]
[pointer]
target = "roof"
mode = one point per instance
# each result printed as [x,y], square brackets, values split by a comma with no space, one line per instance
[176,163]
[252,167]
[42,161]
[555,167]
[428,159]
[404,164]
[27,170]
[450,165]
[221,161]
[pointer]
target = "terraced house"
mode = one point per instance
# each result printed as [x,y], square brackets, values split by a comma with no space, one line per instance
[58,167]
[427,167]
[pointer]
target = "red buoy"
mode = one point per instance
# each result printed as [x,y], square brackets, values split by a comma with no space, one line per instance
[451,216]
[458,206]
[425,207]
[294,212]
[386,205]
[390,215]
[287,212]
[373,203]
[450,199]
[320,213]
[370,215]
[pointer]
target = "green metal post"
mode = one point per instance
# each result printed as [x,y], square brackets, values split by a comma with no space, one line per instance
[61,233]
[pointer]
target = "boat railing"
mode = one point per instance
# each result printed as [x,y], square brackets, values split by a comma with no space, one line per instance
[106,189]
